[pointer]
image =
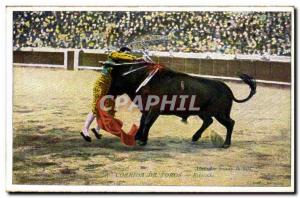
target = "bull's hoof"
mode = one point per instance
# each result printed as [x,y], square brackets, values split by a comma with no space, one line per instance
[225,146]
[184,121]
[141,143]
[195,139]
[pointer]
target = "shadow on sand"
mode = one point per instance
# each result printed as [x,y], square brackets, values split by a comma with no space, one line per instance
[62,143]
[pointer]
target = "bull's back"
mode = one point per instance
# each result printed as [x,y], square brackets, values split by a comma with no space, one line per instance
[205,91]
[171,82]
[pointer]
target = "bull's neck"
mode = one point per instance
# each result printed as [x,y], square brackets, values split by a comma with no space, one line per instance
[129,83]
[134,80]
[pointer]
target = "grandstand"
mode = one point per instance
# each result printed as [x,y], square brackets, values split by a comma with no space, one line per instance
[246,33]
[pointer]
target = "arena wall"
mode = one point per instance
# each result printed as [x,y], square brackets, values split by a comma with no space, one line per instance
[274,70]
[53,58]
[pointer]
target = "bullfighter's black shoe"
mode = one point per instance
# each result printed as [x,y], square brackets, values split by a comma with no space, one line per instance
[97,135]
[85,137]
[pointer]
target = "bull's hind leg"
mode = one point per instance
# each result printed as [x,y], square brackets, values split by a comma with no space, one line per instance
[229,124]
[207,121]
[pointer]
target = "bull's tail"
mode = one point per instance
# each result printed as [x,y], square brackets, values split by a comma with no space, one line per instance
[252,84]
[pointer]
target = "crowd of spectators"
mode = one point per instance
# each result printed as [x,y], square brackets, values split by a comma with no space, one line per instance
[222,32]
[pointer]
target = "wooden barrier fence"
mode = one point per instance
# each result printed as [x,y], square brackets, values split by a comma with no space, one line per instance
[75,59]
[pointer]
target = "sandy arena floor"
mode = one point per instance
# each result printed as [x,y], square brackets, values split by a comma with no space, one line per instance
[49,109]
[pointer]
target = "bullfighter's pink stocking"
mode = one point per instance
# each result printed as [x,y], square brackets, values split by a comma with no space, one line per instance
[89,119]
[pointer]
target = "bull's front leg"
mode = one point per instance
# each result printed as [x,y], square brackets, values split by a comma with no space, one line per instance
[149,119]
[139,134]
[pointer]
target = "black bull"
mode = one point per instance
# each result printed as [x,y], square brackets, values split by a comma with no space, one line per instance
[213,97]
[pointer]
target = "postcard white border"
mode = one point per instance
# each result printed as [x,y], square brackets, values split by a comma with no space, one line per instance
[82,188]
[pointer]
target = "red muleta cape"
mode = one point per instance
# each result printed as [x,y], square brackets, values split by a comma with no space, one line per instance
[114,126]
